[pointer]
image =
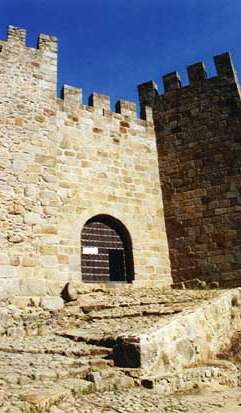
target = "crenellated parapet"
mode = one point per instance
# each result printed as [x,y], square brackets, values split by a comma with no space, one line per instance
[16,37]
[197,76]
[41,64]
[34,68]
[72,97]
[72,102]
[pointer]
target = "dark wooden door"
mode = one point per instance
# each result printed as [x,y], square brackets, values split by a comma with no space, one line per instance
[117,265]
[106,253]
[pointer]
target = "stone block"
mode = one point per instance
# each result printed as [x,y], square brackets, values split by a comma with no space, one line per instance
[48,249]
[20,302]
[52,303]
[8,286]
[8,271]
[4,259]
[32,218]
[14,260]
[49,261]
[41,399]
[15,238]
[29,261]
[49,229]
[32,287]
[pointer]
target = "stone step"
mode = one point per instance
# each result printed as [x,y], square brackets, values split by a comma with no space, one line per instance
[185,339]
[41,398]
[82,336]
[131,312]
[36,346]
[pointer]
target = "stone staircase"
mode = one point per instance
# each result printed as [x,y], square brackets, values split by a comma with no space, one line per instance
[63,361]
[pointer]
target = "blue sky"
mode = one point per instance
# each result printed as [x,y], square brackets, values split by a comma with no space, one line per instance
[110,46]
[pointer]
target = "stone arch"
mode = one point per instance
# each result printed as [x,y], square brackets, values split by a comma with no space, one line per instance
[106,251]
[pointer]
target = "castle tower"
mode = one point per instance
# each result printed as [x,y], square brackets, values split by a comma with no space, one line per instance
[80,193]
[198,130]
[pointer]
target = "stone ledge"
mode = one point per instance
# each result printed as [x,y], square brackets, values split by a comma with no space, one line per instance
[193,336]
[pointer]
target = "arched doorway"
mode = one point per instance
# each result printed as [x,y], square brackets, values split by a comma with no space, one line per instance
[106,251]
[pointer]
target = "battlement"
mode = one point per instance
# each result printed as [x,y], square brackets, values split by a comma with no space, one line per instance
[148,91]
[72,102]
[197,75]
[126,108]
[171,81]
[197,72]
[16,37]
[71,97]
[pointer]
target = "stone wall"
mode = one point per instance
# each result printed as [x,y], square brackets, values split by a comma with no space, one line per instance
[198,129]
[62,163]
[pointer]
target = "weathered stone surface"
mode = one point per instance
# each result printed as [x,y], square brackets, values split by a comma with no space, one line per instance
[29,261]
[20,302]
[15,238]
[42,399]
[32,287]
[32,218]
[52,303]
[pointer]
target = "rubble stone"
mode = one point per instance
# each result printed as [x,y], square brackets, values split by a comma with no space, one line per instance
[52,303]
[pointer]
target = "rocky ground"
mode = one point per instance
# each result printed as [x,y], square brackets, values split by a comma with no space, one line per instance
[57,360]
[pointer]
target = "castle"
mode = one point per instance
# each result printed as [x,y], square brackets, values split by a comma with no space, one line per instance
[81,198]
